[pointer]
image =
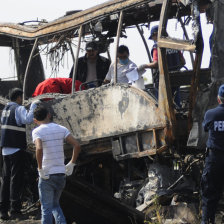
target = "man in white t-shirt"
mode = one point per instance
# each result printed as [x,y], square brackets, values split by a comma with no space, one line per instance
[49,139]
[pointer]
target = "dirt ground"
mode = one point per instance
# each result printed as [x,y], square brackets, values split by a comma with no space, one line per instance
[30,215]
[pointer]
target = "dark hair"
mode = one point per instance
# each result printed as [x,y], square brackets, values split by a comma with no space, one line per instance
[122,49]
[15,93]
[40,113]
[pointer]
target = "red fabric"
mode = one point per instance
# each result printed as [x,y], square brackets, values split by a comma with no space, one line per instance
[155,55]
[56,85]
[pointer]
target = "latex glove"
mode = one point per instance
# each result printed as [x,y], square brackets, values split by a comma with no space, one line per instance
[69,168]
[42,174]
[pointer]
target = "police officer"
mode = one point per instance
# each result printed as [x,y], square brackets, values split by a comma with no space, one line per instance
[212,177]
[13,142]
[175,61]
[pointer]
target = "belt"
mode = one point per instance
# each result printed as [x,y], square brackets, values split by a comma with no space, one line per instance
[57,174]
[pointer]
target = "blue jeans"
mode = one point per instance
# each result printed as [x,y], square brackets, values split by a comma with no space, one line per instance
[50,192]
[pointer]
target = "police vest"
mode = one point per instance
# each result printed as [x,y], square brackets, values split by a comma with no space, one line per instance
[173,58]
[12,135]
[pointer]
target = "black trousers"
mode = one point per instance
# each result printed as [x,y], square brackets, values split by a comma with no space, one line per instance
[11,182]
[212,182]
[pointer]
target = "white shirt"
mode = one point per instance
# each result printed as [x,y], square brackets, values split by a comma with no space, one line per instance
[121,71]
[52,136]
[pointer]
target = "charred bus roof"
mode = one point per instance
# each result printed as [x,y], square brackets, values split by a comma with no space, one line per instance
[135,12]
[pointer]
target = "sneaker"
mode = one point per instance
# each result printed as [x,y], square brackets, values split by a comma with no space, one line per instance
[4,215]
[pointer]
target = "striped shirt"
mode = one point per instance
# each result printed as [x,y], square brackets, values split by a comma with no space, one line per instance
[52,136]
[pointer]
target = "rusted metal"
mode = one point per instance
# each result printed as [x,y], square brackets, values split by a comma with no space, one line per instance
[187,38]
[74,74]
[110,107]
[86,198]
[197,65]
[183,78]
[140,30]
[155,138]
[22,50]
[176,44]
[70,22]
[138,143]
[119,28]
[27,68]
[72,53]
[165,96]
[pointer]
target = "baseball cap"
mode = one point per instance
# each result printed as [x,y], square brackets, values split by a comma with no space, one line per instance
[153,30]
[91,46]
[221,91]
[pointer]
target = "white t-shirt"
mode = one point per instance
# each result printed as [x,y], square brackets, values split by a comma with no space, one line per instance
[52,136]
[121,71]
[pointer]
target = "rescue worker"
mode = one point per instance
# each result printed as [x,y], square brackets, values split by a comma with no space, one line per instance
[212,177]
[175,61]
[13,143]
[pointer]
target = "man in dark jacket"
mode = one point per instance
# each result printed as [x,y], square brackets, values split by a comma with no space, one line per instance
[92,66]
[13,142]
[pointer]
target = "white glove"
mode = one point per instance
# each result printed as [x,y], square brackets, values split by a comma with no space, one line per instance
[69,168]
[42,174]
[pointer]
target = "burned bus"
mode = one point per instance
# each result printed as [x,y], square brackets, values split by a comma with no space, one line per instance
[131,142]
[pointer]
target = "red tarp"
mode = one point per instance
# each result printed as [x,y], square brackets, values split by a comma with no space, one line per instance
[56,85]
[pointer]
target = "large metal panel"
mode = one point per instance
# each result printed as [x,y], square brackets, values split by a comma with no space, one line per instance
[106,111]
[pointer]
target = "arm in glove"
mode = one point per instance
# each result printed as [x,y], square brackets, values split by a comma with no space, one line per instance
[42,174]
[69,168]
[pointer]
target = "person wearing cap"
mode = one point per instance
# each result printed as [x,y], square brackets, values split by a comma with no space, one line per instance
[92,66]
[175,61]
[13,142]
[212,176]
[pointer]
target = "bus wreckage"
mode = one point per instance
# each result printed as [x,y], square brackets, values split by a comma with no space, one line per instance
[141,158]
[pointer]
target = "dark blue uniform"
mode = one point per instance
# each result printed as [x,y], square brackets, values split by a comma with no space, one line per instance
[174,64]
[12,136]
[212,177]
